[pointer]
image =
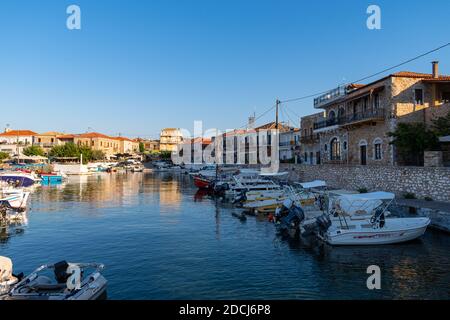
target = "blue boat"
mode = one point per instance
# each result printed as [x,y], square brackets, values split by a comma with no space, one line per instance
[51,179]
[19,178]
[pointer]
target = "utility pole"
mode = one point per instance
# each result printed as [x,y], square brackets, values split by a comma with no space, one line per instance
[276,114]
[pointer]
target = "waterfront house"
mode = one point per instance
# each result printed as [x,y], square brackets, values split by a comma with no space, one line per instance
[310,147]
[14,141]
[170,138]
[289,144]
[97,141]
[22,137]
[47,140]
[127,146]
[357,118]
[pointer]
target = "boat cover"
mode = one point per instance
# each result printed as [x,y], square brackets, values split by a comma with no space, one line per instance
[363,204]
[313,184]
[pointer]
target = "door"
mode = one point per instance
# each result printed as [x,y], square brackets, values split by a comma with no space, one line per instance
[363,155]
[318,157]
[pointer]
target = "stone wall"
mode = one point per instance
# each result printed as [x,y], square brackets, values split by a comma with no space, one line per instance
[423,182]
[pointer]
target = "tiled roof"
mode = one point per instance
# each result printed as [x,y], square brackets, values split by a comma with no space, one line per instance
[66,136]
[408,74]
[91,135]
[123,139]
[15,133]
[51,133]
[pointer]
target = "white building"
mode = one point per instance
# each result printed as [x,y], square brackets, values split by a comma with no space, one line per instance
[17,137]
[289,144]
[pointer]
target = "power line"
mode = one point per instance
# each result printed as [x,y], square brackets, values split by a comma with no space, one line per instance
[372,75]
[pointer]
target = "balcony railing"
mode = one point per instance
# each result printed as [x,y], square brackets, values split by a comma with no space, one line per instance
[329,96]
[378,113]
[309,139]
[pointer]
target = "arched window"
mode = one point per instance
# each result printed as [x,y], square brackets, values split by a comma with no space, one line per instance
[335,149]
[331,115]
[377,149]
[341,113]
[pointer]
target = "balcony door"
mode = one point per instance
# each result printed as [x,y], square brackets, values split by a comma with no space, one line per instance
[363,157]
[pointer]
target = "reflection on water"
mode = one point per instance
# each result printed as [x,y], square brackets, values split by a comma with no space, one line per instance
[162,239]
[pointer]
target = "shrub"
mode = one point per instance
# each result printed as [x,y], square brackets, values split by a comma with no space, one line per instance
[409,195]
[363,190]
[33,151]
[428,199]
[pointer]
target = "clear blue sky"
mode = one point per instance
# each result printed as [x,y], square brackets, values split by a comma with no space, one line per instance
[137,66]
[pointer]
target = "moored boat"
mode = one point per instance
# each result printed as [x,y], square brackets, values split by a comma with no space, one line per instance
[60,281]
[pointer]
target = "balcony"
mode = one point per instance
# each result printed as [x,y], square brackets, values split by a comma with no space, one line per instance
[354,118]
[329,97]
[309,139]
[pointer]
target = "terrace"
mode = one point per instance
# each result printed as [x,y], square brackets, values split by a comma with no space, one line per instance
[351,119]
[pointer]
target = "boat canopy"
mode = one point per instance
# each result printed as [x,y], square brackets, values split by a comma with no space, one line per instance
[380,195]
[313,184]
[275,174]
[361,204]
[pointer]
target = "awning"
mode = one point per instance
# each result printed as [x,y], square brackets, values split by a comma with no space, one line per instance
[313,184]
[381,195]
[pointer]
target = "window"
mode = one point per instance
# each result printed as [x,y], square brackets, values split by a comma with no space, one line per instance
[331,115]
[378,151]
[335,149]
[311,157]
[325,147]
[306,156]
[345,145]
[445,97]
[418,96]
[377,144]
[365,103]
[311,131]
[376,101]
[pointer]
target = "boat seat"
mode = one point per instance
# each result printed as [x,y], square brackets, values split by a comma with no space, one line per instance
[6,269]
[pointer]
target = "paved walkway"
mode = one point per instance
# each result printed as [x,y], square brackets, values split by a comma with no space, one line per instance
[416,203]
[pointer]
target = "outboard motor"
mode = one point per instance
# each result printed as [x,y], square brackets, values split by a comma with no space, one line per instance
[60,270]
[318,226]
[290,215]
[242,197]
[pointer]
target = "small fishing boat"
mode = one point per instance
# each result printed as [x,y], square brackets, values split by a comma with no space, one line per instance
[362,219]
[55,282]
[202,182]
[51,178]
[18,178]
[16,199]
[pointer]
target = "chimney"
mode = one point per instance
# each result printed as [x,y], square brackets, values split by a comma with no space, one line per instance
[435,69]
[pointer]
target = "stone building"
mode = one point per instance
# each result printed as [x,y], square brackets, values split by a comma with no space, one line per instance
[357,118]
[170,138]
[310,147]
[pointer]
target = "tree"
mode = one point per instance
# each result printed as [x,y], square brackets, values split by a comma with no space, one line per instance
[71,150]
[3,156]
[412,140]
[98,155]
[166,155]
[441,126]
[67,150]
[33,151]
[141,147]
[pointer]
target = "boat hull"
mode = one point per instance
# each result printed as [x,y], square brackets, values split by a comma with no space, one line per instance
[202,183]
[377,236]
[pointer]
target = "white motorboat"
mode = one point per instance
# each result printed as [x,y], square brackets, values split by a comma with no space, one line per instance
[20,179]
[362,219]
[54,282]
[16,199]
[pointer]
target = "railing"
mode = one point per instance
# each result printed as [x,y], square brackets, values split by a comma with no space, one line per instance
[329,96]
[309,139]
[378,113]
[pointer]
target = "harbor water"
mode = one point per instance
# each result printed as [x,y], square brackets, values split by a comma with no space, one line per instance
[159,238]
